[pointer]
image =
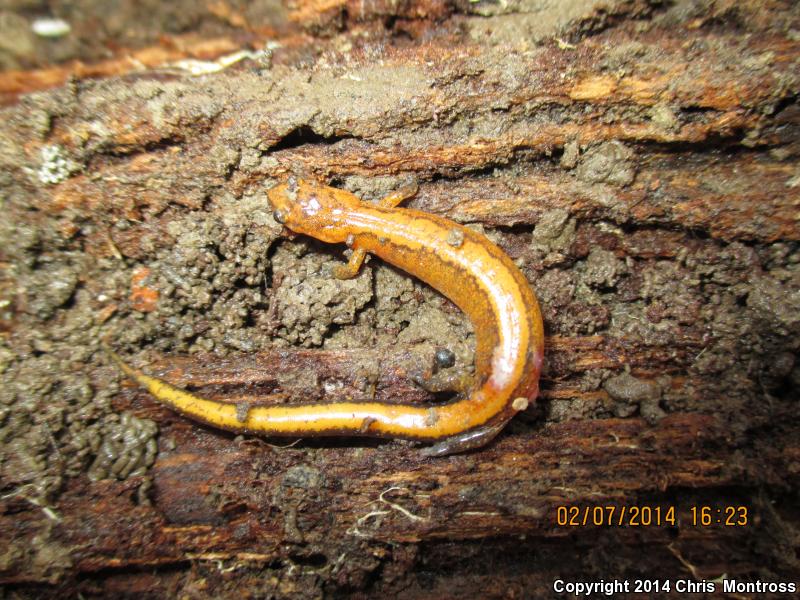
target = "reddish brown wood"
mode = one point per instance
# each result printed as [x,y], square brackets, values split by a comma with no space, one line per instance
[677,265]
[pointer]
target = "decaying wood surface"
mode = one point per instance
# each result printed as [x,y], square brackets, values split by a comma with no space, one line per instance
[639,161]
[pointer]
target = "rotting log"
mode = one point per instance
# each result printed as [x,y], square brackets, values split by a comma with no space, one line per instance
[639,163]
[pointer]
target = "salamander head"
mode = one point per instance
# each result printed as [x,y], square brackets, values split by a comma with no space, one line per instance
[315,210]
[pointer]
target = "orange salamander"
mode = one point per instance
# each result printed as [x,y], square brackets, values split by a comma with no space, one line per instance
[460,263]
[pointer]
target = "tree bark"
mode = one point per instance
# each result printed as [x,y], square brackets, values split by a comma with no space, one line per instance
[638,160]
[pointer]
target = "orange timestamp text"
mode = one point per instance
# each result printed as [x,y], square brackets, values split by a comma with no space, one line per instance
[650,516]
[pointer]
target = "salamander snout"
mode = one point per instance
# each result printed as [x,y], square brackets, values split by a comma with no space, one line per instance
[319,211]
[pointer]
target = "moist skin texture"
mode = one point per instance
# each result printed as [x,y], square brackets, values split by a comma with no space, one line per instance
[464,266]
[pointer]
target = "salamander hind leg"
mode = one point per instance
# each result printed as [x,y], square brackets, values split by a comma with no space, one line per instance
[436,380]
[460,382]
[467,440]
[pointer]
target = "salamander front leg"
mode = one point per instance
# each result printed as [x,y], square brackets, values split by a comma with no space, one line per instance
[351,267]
[468,440]
[407,190]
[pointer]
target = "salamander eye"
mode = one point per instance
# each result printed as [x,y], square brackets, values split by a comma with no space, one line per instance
[279,215]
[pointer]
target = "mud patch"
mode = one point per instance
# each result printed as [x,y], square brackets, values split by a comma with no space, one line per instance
[309,300]
[128,449]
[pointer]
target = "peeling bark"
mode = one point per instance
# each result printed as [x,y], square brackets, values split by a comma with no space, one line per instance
[639,161]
